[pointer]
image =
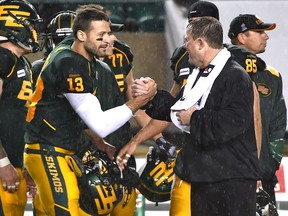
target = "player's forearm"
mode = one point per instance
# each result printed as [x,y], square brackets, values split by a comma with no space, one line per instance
[143,119]
[153,128]
[2,151]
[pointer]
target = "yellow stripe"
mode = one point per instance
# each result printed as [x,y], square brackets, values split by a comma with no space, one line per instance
[176,65]
[59,206]
[49,125]
[12,67]
[272,71]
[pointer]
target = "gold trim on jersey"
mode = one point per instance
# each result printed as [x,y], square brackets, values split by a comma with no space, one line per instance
[11,72]
[47,123]
[176,65]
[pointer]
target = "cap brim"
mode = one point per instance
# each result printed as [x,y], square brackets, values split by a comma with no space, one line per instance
[115,27]
[265,26]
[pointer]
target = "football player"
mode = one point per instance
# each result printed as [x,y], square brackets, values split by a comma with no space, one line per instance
[64,104]
[249,31]
[57,27]
[18,37]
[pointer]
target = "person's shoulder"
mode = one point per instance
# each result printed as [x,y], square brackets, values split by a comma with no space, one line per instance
[118,44]
[122,47]
[273,71]
[233,68]
[264,68]
[240,53]
[178,54]
[7,60]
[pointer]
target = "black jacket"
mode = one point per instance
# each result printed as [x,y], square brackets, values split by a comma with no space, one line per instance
[221,144]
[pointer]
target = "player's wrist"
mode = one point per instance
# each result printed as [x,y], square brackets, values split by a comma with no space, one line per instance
[4,162]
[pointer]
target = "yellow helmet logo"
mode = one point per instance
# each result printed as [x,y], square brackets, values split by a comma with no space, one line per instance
[163,172]
[107,197]
[10,21]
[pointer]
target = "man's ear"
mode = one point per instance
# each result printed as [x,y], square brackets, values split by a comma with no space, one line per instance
[81,35]
[241,38]
[201,43]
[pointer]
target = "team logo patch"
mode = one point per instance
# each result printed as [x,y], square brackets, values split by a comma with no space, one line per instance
[243,27]
[21,73]
[184,71]
[264,89]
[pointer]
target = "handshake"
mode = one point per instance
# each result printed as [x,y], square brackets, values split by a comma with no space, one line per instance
[143,90]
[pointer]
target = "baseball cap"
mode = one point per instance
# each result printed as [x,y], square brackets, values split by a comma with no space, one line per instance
[245,22]
[203,8]
[116,27]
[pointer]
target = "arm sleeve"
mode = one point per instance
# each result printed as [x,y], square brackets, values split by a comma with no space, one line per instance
[101,122]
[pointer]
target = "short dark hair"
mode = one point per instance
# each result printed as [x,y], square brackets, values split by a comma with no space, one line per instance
[208,28]
[84,17]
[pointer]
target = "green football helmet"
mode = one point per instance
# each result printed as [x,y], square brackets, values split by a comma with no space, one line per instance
[16,19]
[57,28]
[100,190]
[156,176]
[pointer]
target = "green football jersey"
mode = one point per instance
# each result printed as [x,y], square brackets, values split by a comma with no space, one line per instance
[180,66]
[17,92]
[120,62]
[51,119]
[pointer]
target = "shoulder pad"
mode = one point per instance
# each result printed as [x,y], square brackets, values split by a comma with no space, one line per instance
[178,54]
[122,47]
[7,61]
[272,70]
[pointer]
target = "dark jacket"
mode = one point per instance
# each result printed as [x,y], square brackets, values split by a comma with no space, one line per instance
[273,114]
[221,144]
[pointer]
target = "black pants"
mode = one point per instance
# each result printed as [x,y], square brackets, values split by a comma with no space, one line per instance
[269,186]
[235,197]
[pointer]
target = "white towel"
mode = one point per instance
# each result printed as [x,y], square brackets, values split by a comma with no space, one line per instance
[198,94]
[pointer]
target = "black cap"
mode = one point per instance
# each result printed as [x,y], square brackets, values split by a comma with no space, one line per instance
[203,8]
[115,27]
[245,22]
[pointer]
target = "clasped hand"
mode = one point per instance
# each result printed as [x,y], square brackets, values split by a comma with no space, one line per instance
[144,87]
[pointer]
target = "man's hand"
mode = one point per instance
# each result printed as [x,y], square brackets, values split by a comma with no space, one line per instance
[124,154]
[166,148]
[100,143]
[184,116]
[144,86]
[10,178]
[31,186]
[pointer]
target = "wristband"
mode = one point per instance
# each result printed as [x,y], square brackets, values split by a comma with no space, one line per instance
[4,162]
